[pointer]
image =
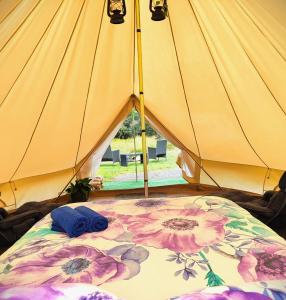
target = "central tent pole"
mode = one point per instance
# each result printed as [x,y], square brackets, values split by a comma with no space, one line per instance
[141,95]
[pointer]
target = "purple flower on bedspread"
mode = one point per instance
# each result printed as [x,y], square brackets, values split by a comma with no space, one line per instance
[97,296]
[104,202]
[55,292]
[227,295]
[29,249]
[267,264]
[26,293]
[69,264]
[115,227]
[142,206]
[185,230]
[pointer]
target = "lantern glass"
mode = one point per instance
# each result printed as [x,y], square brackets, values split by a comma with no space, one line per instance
[116,10]
[158,9]
[116,5]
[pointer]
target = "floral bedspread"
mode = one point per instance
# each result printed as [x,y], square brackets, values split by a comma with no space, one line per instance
[201,248]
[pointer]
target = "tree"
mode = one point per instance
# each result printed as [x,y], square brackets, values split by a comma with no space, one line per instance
[129,126]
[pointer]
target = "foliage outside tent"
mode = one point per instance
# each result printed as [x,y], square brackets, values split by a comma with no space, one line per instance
[131,127]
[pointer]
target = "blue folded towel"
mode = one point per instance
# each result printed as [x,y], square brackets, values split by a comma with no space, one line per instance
[71,221]
[56,227]
[96,222]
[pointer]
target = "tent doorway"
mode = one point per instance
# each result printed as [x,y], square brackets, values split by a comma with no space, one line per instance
[121,166]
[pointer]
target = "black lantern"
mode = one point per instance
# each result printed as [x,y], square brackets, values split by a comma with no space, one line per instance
[116,10]
[159,9]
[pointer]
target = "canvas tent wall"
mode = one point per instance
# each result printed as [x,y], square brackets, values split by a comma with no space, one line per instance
[214,75]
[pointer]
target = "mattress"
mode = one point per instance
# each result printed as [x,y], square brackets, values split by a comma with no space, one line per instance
[201,247]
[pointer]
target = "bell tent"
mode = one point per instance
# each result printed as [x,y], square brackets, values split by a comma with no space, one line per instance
[214,76]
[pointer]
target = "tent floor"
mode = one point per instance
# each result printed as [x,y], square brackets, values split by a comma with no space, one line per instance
[178,190]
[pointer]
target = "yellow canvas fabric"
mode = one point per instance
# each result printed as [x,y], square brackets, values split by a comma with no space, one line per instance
[214,76]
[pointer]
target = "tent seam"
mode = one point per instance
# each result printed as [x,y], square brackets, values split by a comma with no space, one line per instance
[81,163]
[18,28]
[225,89]
[11,11]
[257,26]
[246,53]
[268,171]
[46,100]
[89,84]
[32,53]
[183,84]
[14,196]
[151,116]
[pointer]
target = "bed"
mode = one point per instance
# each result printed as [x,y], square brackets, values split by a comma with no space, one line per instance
[201,247]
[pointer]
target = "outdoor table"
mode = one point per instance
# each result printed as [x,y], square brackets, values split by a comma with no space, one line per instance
[125,158]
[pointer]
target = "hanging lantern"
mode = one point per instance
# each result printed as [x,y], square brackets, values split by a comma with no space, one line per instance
[159,9]
[116,10]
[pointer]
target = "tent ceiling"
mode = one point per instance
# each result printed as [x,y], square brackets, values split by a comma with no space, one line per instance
[214,75]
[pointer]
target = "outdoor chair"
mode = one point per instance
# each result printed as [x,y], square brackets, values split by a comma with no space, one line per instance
[111,155]
[159,151]
[271,207]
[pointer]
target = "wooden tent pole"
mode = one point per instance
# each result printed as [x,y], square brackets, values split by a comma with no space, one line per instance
[141,95]
[134,143]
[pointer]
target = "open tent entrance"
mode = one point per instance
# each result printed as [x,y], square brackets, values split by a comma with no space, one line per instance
[118,158]
[122,163]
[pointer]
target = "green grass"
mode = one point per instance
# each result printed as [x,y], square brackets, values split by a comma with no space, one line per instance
[109,171]
[133,184]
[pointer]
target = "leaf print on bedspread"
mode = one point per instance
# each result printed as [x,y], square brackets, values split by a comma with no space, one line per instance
[75,264]
[192,264]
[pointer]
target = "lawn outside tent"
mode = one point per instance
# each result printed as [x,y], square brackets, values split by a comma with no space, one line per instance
[116,176]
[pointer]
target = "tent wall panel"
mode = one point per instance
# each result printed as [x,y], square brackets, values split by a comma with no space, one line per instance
[241,177]
[33,88]
[65,117]
[270,16]
[7,7]
[272,179]
[24,14]
[14,8]
[214,77]
[42,187]
[246,88]
[162,81]
[111,81]
[7,196]
[209,105]
[27,37]
[269,61]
